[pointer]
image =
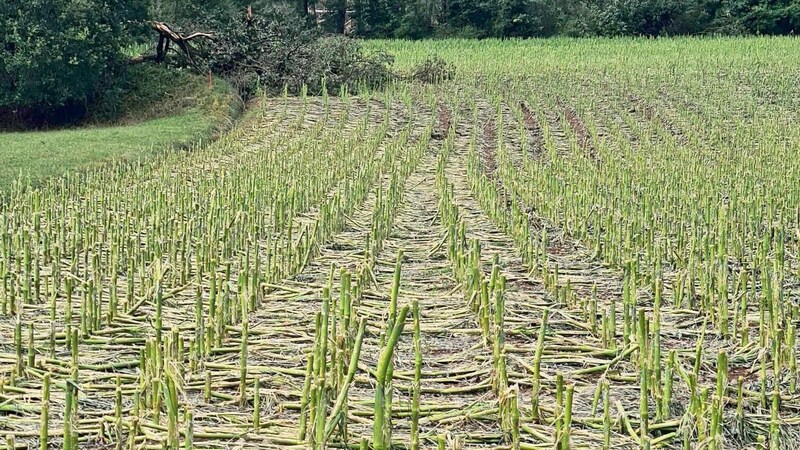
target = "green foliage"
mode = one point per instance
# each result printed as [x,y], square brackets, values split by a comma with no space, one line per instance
[341,61]
[543,18]
[336,17]
[149,91]
[771,16]
[276,49]
[189,11]
[528,18]
[661,17]
[59,53]
[433,69]
[377,18]
[475,15]
[417,20]
[164,109]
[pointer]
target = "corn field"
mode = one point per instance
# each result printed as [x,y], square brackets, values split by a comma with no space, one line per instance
[569,245]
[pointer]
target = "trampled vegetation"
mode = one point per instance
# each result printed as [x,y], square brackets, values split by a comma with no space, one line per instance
[569,244]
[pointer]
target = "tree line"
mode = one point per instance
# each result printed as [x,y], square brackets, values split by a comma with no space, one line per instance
[419,19]
[582,18]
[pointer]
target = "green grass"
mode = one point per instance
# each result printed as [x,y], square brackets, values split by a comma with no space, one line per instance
[40,155]
[162,110]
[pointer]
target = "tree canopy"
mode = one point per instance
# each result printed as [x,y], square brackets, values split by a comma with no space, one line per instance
[55,53]
[416,19]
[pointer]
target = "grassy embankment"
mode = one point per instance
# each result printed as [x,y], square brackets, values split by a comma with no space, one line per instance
[162,109]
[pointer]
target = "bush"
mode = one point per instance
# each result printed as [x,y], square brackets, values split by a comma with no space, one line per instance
[433,70]
[56,55]
[276,49]
[342,62]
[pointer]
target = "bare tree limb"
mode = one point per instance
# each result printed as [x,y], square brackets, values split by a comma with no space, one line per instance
[166,36]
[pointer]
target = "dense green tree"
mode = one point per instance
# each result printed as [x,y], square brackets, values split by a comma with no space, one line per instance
[515,18]
[473,17]
[540,18]
[528,18]
[768,16]
[179,11]
[638,17]
[57,53]
[377,18]
[418,19]
[336,17]
[663,17]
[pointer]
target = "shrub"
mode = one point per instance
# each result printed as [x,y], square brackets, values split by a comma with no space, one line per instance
[434,69]
[275,49]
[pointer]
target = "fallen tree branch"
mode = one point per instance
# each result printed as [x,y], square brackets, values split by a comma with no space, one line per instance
[166,36]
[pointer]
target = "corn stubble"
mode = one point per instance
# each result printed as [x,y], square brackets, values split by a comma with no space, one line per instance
[595,250]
